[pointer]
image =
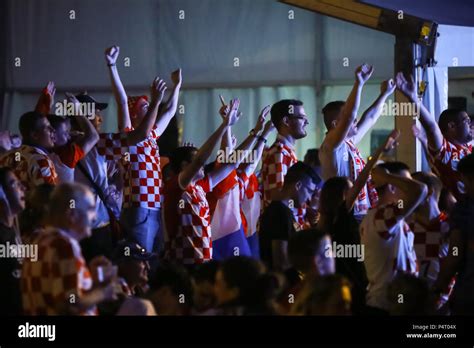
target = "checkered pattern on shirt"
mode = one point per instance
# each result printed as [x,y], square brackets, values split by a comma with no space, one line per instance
[142,178]
[367,197]
[431,242]
[446,162]
[31,165]
[59,272]
[191,243]
[387,226]
[276,162]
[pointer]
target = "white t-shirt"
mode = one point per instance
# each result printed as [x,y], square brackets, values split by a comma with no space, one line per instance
[389,249]
[346,160]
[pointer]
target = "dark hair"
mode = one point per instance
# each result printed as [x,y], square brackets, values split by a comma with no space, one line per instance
[36,209]
[431,181]
[303,246]
[448,115]
[417,298]
[281,109]
[256,287]
[331,112]
[298,171]
[466,165]
[3,175]
[28,123]
[393,167]
[209,167]
[312,156]
[332,196]
[167,171]
[57,121]
[175,277]
[206,272]
[179,155]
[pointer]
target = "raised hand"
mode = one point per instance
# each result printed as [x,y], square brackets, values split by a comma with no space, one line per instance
[70,98]
[391,141]
[224,109]
[407,87]
[233,115]
[157,89]
[176,77]
[261,118]
[388,87]
[111,55]
[363,73]
[50,91]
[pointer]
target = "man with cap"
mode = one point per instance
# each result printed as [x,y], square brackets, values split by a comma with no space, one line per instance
[132,263]
[93,171]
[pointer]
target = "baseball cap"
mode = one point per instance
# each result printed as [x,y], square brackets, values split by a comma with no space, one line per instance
[86,98]
[131,250]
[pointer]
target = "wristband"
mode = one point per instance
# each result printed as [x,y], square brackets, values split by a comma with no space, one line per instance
[252,133]
[261,138]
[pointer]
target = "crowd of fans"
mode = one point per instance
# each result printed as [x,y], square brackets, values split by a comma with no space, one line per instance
[119,230]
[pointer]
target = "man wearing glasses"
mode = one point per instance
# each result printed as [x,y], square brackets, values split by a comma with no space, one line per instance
[290,121]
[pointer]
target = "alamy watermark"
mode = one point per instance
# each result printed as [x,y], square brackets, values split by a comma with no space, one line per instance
[391,108]
[236,156]
[23,251]
[345,251]
[66,108]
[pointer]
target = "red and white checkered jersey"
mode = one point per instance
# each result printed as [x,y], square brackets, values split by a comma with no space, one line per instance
[32,166]
[57,277]
[367,197]
[187,218]
[275,164]
[388,249]
[142,178]
[431,244]
[445,165]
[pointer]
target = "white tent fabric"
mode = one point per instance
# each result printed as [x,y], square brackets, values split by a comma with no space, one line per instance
[259,51]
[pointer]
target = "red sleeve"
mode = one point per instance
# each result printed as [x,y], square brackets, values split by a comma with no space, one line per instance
[70,154]
[225,185]
[43,104]
[205,184]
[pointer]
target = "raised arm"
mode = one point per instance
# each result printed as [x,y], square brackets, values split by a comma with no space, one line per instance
[223,170]
[372,114]
[46,99]
[250,167]
[361,180]
[414,191]
[139,134]
[123,116]
[226,141]
[169,108]
[335,137]
[186,176]
[427,120]
[90,137]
